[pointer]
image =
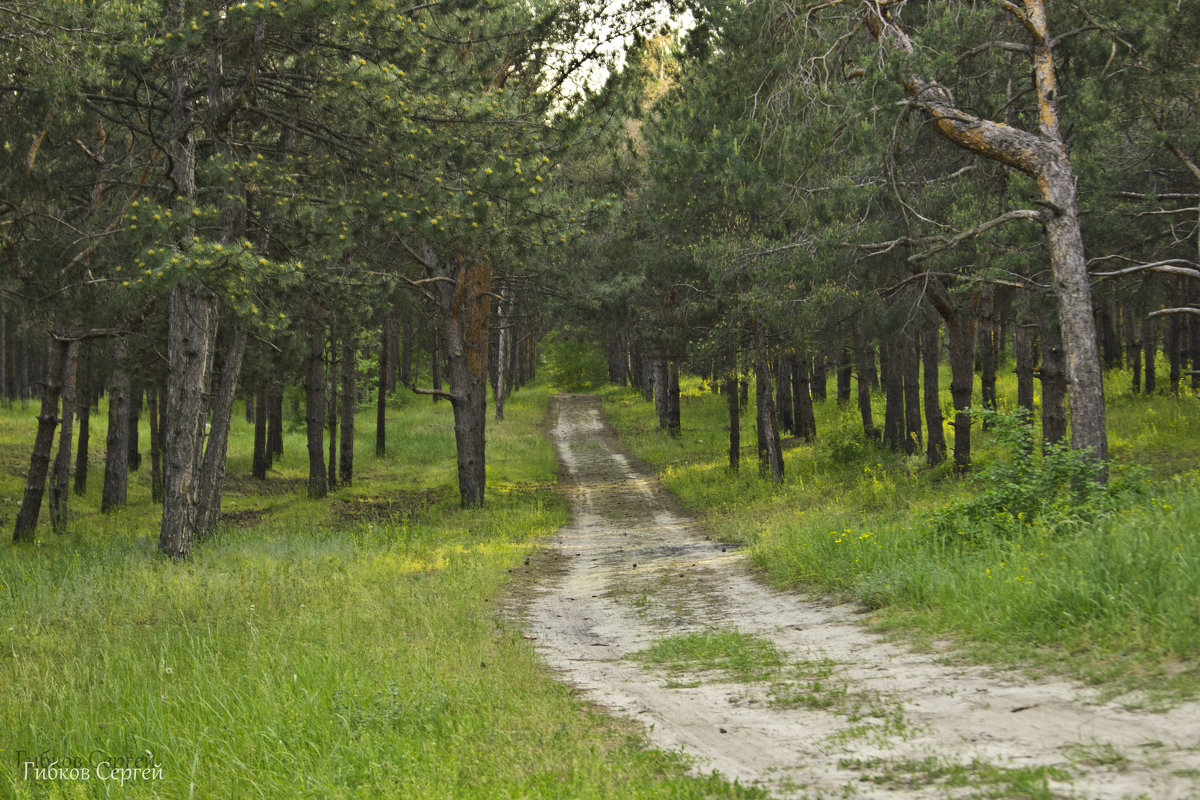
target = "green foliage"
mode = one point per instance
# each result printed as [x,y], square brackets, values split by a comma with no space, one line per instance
[1058,488]
[574,363]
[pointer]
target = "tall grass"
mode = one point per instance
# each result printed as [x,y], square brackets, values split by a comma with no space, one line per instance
[355,647]
[1109,597]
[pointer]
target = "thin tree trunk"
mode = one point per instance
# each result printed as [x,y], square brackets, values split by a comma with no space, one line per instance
[935,448]
[60,482]
[960,330]
[1054,388]
[503,335]
[673,421]
[314,410]
[212,469]
[406,353]
[817,385]
[893,386]
[135,412]
[349,407]
[910,366]
[152,409]
[863,353]
[802,400]
[845,373]
[39,462]
[435,364]
[771,455]
[1025,356]
[84,412]
[783,394]
[1133,346]
[275,424]
[331,410]
[735,422]
[986,334]
[381,391]
[1150,353]
[260,460]
[116,452]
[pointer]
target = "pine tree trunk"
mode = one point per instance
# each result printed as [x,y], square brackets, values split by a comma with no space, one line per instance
[406,354]
[260,461]
[503,335]
[314,410]
[864,355]
[910,364]
[135,413]
[771,454]
[673,421]
[191,339]
[817,384]
[1133,347]
[784,405]
[1024,354]
[845,373]
[275,425]
[385,370]
[1054,388]
[152,408]
[735,422]
[331,410]
[802,400]
[960,332]
[39,462]
[660,389]
[1150,353]
[893,387]
[84,412]
[935,434]
[349,408]
[435,363]
[116,452]
[211,481]
[60,480]
[987,351]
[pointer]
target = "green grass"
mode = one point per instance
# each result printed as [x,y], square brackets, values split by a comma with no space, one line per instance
[1109,599]
[736,656]
[354,647]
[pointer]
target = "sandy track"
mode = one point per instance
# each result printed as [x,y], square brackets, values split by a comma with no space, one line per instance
[635,571]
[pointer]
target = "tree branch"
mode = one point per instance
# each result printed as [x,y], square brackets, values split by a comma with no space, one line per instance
[453,398]
[958,239]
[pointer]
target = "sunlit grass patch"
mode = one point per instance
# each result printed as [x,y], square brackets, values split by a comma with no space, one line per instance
[735,655]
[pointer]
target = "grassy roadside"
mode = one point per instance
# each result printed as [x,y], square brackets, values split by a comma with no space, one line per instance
[1104,593]
[346,648]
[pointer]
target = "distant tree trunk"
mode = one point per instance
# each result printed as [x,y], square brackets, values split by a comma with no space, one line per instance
[660,388]
[23,375]
[673,420]
[1133,346]
[191,339]
[153,409]
[314,410]
[435,364]
[83,410]
[1173,344]
[349,407]
[211,480]
[818,389]
[893,387]
[406,353]
[5,385]
[261,460]
[1150,352]
[331,410]
[1026,358]
[503,337]
[116,452]
[275,425]
[1054,386]
[910,365]
[381,392]
[935,448]
[845,372]
[864,355]
[251,402]
[960,330]
[802,400]
[135,412]
[1110,343]
[60,482]
[771,455]
[735,422]
[783,394]
[987,351]
[35,479]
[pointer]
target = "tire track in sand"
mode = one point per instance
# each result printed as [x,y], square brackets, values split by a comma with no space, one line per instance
[634,571]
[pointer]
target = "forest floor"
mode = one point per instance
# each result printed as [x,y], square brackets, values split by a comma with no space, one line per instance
[655,620]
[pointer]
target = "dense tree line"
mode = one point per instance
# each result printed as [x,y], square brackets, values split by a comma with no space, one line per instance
[867,188]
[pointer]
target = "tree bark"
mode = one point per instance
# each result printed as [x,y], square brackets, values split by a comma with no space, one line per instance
[783,394]
[275,424]
[435,363]
[893,387]
[83,411]
[211,481]
[314,410]
[39,462]
[845,373]
[406,353]
[152,409]
[503,335]
[863,355]
[1150,353]
[931,349]
[910,366]
[116,452]
[802,400]
[349,407]
[987,350]
[770,455]
[960,330]
[135,412]
[673,421]
[260,461]
[381,392]
[817,385]
[1053,375]
[60,482]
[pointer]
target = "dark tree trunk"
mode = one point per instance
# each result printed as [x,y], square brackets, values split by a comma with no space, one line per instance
[116,452]
[349,407]
[735,422]
[211,482]
[275,425]
[135,413]
[406,351]
[931,350]
[84,412]
[435,364]
[23,374]
[1054,382]
[1173,344]
[314,410]
[660,389]
[1133,346]
[39,462]
[802,401]
[960,330]
[771,455]
[818,389]
[251,404]
[1150,353]
[864,354]
[260,461]
[987,332]
[331,410]
[673,420]
[845,373]
[783,395]
[1026,358]
[381,393]
[503,338]
[893,388]
[5,384]
[1110,342]
[152,409]
[910,366]
[60,481]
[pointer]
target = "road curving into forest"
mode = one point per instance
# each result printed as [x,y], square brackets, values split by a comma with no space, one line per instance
[850,714]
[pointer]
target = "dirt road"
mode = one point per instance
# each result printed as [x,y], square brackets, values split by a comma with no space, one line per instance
[850,715]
